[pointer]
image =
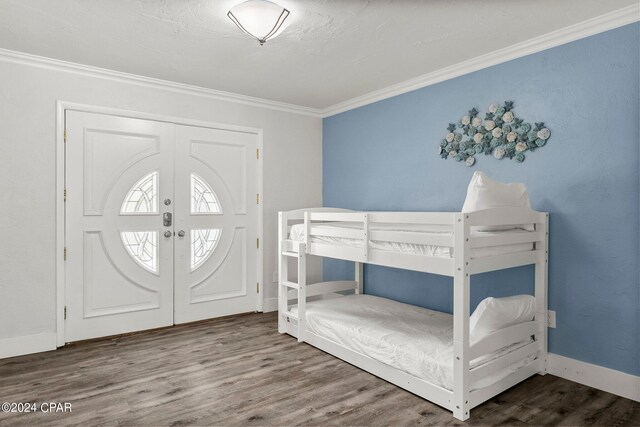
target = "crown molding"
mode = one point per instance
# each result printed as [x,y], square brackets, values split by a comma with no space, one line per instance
[599,24]
[605,22]
[87,70]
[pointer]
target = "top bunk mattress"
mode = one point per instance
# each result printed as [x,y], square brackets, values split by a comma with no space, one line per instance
[413,339]
[296,233]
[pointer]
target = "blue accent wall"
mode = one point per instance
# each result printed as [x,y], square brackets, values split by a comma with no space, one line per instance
[384,156]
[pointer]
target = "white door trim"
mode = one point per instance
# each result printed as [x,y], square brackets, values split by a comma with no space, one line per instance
[61,108]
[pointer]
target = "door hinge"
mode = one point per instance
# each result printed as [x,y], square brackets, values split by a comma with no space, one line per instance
[258,287]
[65,135]
[258,243]
[257,154]
[65,253]
[65,312]
[257,198]
[65,194]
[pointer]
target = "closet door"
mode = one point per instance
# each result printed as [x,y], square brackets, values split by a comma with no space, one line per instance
[216,223]
[119,235]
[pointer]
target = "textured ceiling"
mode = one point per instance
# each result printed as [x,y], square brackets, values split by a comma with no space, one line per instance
[331,51]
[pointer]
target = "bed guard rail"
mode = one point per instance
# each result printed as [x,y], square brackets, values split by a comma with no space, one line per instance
[435,229]
[520,332]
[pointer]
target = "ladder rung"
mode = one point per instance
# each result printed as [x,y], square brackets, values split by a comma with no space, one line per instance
[291,285]
[291,254]
[290,314]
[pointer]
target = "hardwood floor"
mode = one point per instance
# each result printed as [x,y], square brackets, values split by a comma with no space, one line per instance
[240,371]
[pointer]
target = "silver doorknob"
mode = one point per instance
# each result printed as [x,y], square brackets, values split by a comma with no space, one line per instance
[167,234]
[181,233]
[167,202]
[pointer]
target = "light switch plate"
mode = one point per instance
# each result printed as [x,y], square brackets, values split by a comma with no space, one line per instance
[551,319]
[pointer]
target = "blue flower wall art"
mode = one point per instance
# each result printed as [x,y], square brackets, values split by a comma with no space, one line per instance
[500,134]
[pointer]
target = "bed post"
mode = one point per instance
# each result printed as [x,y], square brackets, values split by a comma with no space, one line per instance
[282,272]
[461,302]
[541,286]
[307,225]
[358,277]
[359,266]
[365,228]
[302,290]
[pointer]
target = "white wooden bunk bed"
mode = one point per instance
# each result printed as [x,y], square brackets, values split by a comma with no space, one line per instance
[453,370]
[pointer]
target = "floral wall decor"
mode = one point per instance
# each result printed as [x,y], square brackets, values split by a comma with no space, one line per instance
[500,134]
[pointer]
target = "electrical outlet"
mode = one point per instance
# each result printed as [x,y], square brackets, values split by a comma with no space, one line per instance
[551,319]
[275,277]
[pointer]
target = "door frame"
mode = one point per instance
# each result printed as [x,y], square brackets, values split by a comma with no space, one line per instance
[61,108]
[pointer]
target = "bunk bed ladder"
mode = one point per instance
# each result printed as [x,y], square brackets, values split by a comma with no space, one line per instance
[285,285]
[282,273]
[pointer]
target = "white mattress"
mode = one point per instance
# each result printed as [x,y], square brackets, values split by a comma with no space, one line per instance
[415,340]
[296,233]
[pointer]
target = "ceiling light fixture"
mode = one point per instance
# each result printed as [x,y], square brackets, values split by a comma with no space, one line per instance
[260,19]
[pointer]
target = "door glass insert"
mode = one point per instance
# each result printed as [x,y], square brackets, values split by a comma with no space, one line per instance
[142,198]
[142,246]
[203,242]
[203,198]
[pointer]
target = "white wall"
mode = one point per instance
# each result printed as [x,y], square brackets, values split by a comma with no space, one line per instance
[28,96]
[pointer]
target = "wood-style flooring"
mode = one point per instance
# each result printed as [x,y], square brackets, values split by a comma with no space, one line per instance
[240,371]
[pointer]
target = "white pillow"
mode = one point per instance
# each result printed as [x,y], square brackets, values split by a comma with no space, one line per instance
[493,314]
[485,193]
[296,232]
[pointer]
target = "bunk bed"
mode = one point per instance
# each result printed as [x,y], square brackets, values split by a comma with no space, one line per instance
[434,355]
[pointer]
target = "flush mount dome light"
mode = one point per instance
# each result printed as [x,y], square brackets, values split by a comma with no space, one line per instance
[260,19]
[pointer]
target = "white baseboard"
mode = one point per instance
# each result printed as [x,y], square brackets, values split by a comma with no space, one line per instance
[609,380]
[10,347]
[270,304]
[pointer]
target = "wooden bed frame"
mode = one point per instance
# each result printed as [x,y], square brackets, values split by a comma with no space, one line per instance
[461,267]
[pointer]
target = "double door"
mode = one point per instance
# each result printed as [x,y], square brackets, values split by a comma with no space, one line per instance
[161,224]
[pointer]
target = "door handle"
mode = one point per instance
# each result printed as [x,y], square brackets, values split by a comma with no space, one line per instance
[167,234]
[181,233]
[167,219]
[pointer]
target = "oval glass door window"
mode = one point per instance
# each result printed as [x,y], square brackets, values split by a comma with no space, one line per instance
[203,198]
[203,243]
[142,246]
[142,198]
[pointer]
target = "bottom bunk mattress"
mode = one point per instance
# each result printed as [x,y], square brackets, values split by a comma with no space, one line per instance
[412,339]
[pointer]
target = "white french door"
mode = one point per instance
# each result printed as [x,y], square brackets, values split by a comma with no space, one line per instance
[216,223]
[161,224]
